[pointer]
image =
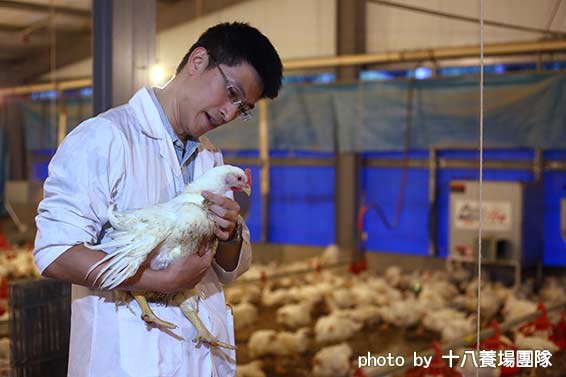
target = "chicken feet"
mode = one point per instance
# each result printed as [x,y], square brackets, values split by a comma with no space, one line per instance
[189,307]
[147,314]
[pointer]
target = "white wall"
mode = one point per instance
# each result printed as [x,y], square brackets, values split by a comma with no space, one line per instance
[297,29]
[306,28]
[392,29]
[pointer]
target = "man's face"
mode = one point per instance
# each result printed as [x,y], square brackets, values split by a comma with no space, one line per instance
[206,103]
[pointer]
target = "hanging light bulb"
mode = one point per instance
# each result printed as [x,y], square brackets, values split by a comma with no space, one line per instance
[157,75]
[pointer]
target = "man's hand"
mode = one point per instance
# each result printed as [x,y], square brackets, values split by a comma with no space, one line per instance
[182,273]
[187,272]
[225,212]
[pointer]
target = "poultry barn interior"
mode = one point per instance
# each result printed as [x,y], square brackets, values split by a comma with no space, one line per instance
[408,206]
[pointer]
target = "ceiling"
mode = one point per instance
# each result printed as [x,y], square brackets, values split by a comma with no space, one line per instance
[37,36]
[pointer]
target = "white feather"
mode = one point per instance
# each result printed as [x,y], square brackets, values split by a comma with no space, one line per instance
[181,226]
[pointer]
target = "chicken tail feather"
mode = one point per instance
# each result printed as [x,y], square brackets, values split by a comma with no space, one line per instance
[119,241]
[124,262]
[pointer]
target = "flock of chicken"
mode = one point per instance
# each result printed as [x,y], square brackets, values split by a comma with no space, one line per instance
[435,301]
[15,264]
[423,301]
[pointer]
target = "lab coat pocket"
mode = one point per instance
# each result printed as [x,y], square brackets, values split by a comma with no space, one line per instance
[147,351]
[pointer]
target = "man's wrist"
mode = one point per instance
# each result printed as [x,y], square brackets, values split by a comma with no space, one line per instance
[236,236]
[228,253]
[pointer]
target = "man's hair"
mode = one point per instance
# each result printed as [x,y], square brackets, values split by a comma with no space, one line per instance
[235,43]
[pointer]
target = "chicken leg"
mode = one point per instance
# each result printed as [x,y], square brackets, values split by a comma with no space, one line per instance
[189,307]
[147,314]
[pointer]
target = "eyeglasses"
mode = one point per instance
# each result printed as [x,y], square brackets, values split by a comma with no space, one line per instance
[235,95]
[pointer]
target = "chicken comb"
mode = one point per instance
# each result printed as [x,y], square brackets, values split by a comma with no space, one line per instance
[249,175]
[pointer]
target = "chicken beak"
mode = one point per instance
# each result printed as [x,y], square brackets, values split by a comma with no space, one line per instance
[247,189]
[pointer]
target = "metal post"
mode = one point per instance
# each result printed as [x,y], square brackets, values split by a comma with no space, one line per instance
[123,50]
[264,164]
[351,31]
[101,55]
[62,126]
[432,215]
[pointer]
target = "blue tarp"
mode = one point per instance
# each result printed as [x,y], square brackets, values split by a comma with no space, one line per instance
[521,110]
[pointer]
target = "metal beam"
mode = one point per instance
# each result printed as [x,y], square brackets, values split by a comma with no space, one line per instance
[500,49]
[38,32]
[350,39]
[67,51]
[62,85]
[76,49]
[11,28]
[41,8]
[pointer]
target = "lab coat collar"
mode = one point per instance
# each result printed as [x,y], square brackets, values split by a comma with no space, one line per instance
[152,126]
[148,115]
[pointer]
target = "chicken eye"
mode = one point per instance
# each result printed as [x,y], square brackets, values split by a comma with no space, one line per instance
[239,178]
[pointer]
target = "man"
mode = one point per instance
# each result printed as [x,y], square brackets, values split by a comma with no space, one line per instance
[137,155]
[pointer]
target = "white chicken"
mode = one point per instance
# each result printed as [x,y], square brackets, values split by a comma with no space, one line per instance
[245,314]
[262,342]
[291,343]
[393,275]
[383,293]
[252,369]
[24,266]
[243,293]
[276,297]
[260,272]
[436,320]
[332,361]
[405,313]
[341,298]
[493,295]
[283,343]
[330,255]
[5,346]
[314,293]
[295,315]
[179,227]
[553,292]
[18,264]
[516,308]
[534,343]
[364,314]
[335,328]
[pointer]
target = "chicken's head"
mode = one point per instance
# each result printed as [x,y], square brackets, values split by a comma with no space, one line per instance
[225,178]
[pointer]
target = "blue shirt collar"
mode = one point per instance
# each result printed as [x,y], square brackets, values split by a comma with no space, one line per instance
[164,118]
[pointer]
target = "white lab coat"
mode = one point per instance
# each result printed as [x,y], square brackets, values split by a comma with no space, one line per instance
[125,156]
